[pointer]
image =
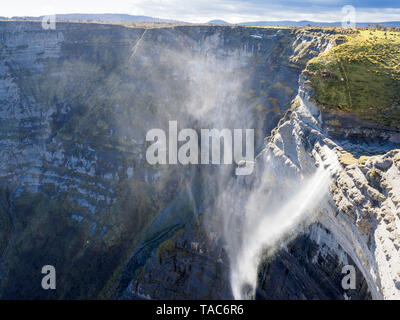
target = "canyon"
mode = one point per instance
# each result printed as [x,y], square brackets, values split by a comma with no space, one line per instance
[76,191]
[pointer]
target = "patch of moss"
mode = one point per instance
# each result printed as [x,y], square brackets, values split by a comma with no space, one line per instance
[334,123]
[363,160]
[397,159]
[347,159]
[375,174]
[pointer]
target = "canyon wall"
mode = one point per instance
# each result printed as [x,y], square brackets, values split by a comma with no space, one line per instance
[76,190]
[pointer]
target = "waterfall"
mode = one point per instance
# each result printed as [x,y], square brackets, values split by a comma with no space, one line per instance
[264,226]
[217,94]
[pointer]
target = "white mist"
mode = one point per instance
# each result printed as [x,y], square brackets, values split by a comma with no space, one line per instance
[264,226]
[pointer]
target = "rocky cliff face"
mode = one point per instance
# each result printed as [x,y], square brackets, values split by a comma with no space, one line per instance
[365,199]
[359,224]
[76,191]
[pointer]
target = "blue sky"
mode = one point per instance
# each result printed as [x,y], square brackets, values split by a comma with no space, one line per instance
[205,10]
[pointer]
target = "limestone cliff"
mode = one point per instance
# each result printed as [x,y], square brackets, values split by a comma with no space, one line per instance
[359,225]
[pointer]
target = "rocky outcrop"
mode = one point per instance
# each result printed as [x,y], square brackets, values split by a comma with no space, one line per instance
[360,225]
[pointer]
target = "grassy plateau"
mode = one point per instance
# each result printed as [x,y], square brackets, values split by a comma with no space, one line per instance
[360,74]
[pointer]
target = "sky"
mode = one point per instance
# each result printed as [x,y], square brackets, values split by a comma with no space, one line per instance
[233,11]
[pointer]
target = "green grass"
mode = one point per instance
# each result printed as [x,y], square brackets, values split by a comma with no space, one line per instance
[361,75]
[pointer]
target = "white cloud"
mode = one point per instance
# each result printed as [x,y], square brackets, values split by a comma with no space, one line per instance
[240,11]
[202,10]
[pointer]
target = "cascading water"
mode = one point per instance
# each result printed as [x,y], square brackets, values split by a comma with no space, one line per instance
[250,219]
[271,212]
[256,218]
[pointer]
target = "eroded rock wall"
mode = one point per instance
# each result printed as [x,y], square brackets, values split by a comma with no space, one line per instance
[76,190]
[359,227]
